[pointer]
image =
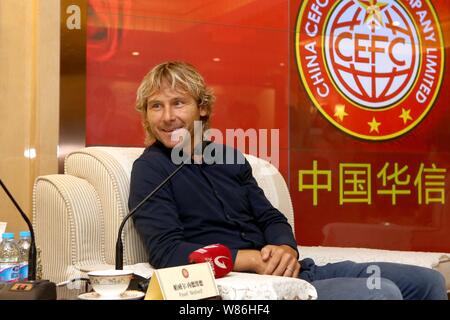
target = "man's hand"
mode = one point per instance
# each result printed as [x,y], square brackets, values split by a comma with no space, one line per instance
[280,261]
[271,260]
[248,260]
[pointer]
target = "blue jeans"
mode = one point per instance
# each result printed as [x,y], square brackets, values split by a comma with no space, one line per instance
[348,280]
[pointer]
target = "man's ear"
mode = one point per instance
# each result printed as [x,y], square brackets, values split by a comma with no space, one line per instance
[203,111]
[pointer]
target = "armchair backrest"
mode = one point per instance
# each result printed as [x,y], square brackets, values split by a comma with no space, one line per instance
[108,170]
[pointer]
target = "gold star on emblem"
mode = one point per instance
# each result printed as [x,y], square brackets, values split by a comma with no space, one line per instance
[373,10]
[405,115]
[374,125]
[340,112]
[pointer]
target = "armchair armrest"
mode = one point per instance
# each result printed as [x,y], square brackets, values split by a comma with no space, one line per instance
[434,260]
[69,232]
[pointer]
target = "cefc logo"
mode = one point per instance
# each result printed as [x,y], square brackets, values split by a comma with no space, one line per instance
[373,68]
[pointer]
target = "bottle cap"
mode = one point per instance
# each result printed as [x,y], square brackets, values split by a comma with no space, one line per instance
[25,234]
[8,235]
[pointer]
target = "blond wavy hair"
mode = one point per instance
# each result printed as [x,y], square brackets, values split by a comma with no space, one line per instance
[180,76]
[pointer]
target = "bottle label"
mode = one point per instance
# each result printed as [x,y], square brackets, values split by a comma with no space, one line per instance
[23,272]
[9,273]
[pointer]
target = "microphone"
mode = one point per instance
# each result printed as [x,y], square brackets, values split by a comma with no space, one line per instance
[32,289]
[218,255]
[119,243]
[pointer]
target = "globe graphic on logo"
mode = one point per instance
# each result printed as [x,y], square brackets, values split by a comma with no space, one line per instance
[372,52]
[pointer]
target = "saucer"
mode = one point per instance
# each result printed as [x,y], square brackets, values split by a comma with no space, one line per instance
[127,295]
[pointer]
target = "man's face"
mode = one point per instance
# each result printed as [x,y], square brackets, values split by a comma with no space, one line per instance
[169,110]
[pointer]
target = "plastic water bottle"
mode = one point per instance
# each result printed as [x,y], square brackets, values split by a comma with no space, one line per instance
[24,250]
[9,259]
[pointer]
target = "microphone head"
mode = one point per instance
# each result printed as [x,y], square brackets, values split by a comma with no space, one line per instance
[218,255]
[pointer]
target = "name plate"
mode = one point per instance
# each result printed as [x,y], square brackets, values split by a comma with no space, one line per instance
[189,282]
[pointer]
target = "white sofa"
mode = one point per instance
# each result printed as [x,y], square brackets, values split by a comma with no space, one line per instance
[77,215]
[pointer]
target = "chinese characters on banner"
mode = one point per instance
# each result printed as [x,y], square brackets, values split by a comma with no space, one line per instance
[355,182]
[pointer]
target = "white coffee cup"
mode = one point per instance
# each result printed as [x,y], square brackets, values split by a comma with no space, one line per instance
[110,283]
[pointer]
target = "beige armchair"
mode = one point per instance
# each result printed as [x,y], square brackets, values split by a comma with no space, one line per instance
[77,215]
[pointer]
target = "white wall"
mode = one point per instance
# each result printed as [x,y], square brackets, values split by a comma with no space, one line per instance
[29,99]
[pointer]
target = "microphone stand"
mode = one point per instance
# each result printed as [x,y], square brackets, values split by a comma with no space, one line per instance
[119,243]
[32,289]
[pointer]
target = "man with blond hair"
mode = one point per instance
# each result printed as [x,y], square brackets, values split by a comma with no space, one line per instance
[220,202]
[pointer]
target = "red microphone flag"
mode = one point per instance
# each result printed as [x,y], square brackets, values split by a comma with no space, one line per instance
[218,255]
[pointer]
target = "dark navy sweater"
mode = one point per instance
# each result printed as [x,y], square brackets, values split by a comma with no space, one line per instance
[203,204]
